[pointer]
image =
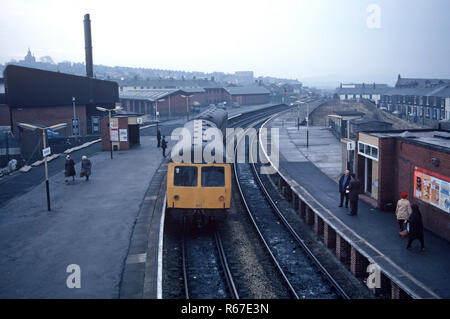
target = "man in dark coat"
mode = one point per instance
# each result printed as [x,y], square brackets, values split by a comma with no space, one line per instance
[415,226]
[353,194]
[164,146]
[343,183]
[158,137]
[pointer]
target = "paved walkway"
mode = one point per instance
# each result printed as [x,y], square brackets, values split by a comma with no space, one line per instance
[90,225]
[316,169]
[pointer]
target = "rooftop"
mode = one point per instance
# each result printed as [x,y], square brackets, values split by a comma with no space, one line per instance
[147,94]
[246,90]
[434,138]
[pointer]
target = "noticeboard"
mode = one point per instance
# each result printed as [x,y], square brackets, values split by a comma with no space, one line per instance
[432,188]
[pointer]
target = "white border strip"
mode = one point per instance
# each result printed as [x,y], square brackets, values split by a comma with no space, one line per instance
[160,251]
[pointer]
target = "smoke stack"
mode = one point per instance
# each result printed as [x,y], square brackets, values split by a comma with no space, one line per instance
[88,46]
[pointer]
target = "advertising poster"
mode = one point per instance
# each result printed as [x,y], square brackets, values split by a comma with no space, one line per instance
[444,197]
[123,135]
[432,188]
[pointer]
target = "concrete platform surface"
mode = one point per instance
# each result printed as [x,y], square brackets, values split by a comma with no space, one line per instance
[90,225]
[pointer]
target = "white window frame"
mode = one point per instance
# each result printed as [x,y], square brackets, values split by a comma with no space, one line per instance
[370,147]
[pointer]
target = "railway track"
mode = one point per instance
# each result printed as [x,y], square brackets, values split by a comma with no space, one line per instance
[209,276]
[302,273]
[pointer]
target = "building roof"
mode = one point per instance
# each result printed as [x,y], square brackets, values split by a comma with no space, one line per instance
[366,120]
[192,89]
[147,94]
[440,91]
[363,88]
[420,82]
[246,90]
[432,138]
[34,87]
[349,113]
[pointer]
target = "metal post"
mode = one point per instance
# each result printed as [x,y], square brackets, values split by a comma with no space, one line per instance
[187,107]
[298,116]
[47,186]
[110,137]
[307,125]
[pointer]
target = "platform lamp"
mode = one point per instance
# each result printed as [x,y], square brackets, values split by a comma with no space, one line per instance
[157,113]
[187,104]
[117,108]
[44,144]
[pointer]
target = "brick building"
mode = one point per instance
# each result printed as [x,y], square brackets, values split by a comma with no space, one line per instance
[416,162]
[46,98]
[425,101]
[248,95]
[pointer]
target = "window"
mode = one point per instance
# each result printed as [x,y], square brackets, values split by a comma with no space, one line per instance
[213,176]
[367,150]
[185,176]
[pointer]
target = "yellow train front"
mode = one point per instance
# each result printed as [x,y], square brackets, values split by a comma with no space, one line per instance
[200,191]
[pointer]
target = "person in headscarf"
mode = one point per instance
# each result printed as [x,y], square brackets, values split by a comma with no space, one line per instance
[403,210]
[69,168]
[86,167]
[415,226]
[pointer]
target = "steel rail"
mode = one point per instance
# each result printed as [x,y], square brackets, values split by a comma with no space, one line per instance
[299,240]
[274,260]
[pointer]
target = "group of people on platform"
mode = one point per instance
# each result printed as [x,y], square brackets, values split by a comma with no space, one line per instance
[408,215]
[69,168]
[163,143]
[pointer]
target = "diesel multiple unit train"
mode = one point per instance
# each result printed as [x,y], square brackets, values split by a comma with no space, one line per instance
[200,190]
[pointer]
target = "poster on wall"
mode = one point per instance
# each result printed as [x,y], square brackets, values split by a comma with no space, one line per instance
[432,188]
[123,135]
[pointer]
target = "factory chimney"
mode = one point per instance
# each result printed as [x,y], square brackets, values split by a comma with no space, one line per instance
[88,46]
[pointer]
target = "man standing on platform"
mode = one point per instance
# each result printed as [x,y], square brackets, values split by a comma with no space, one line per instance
[343,183]
[164,146]
[158,137]
[353,194]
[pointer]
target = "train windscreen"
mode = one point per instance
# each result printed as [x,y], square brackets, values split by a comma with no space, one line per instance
[185,176]
[213,176]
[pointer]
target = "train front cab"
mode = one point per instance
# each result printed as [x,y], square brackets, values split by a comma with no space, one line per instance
[199,190]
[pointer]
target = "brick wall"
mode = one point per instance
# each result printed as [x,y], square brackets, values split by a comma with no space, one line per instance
[409,156]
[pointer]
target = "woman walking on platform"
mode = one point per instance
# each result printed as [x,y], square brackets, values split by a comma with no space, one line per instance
[403,210]
[85,167]
[415,230]
[69,168]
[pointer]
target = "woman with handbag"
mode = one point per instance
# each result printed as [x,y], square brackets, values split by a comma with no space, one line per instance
[85,167]
[415,227]
[403,210]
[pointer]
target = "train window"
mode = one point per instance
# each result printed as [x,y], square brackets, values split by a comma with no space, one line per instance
[185,176]
[213,176]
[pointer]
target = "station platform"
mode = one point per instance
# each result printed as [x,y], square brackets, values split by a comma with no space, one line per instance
[90,225]
[311,174]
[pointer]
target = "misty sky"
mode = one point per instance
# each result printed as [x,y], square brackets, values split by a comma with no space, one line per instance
[325,40]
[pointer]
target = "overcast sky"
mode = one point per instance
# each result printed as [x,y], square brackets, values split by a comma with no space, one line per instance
[345,40]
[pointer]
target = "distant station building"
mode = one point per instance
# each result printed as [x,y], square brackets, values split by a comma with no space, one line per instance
[164,102]
[420,100]
[46,98]
[416,162]
[345,125]
[248,95]
[356,92]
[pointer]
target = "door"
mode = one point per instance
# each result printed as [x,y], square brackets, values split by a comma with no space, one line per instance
[368,176]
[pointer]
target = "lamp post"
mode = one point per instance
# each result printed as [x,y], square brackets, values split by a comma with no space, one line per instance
[307,124]
[117,108]
[75,123]
[157,112]
[187,104]
[44,144]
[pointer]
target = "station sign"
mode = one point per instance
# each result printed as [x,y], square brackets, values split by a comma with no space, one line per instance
[46,151]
